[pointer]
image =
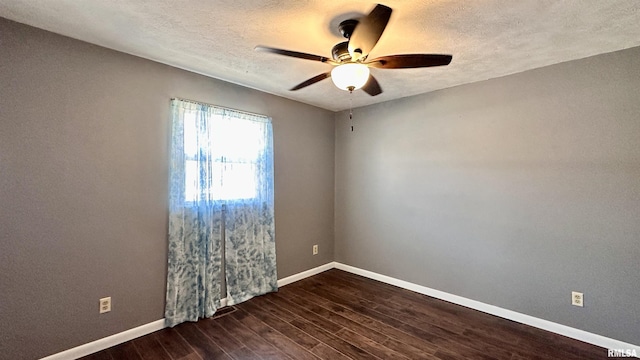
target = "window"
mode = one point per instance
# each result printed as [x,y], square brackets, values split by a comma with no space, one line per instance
[224,153]
[221,214]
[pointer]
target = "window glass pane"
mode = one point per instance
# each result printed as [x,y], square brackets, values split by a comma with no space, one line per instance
[191,180]
[237,182]
[237,139]
[190,134]
[220,155]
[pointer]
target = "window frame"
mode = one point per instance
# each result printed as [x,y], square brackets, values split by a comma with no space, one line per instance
[204,154]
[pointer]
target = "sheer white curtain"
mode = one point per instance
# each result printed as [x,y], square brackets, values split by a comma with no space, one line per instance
[221,172]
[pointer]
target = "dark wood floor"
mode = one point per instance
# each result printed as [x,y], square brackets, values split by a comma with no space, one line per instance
[338,315]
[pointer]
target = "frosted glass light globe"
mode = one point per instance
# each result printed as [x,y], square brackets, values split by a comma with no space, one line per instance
[350,76]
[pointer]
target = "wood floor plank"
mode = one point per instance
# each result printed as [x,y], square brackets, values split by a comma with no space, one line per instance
[444,338]
[100,355]
[360,329]
[354,304]
[423,308]
[338,315]
[473,349]
[331,340]
[408,350]
[244,353]
[285,290]
[125,351]
[337,319]
[219,336]
[191,356]
[326,352]
[444,354]
[409,340]
[173,343]
[372,347]
[403,297]
[298,336]
[262,302]
[439,326]
[536,337]
[246,336]
[200,342]
[303,313]
[150,348]
[274,337]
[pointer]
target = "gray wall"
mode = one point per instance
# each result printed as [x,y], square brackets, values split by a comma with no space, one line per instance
[83,186]
[513,192]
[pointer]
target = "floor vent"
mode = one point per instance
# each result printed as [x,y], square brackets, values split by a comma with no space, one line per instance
[223,311]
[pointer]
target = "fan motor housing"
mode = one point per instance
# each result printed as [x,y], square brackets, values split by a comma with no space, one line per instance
[346,27]
[340,52]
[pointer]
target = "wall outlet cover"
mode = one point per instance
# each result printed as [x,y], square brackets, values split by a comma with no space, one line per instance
[577,298]
[105,305]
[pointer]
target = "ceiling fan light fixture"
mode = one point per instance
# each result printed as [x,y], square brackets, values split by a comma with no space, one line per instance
[350,58]
[350,77]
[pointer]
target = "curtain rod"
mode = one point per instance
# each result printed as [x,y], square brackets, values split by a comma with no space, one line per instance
[220,107]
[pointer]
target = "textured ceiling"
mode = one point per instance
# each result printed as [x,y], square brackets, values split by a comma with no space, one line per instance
[487,38]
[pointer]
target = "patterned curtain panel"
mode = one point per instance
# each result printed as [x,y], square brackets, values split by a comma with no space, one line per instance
[221,190]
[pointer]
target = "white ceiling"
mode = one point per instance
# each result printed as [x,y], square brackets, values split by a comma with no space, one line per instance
[487,38]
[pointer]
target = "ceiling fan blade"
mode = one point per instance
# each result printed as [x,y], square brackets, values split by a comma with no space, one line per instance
[408,61]
[311,81]
[295,54]
[368,31]
[372,87]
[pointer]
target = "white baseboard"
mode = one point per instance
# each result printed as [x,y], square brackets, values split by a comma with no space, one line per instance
[608,343]
[306,274]
[116,339]
[567,331]
[107,342]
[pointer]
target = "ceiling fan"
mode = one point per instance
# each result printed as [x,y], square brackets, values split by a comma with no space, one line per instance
[351,69]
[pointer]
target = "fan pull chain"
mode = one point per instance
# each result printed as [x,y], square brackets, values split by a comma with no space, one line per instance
[351,109]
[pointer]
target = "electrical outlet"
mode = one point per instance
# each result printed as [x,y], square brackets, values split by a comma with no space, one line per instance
[577,298]
[315,249]
[105,305]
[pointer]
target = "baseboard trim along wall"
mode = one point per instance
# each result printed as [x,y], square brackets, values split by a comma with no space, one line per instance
[116,339]
[306,274]
[599,340]
[107,342]
[567,331]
